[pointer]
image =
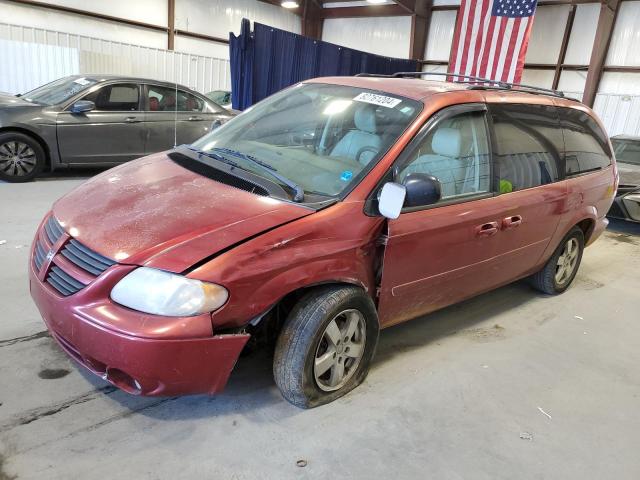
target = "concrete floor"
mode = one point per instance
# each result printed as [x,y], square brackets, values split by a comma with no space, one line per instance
[508,385]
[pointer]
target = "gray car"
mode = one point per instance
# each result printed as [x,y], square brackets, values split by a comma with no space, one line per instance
[626,204]
[98,120]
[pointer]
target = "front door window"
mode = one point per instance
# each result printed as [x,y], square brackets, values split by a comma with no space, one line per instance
[456,152]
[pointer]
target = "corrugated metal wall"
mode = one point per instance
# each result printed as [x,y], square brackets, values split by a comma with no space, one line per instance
[39,56]
[219,17]
[387,36]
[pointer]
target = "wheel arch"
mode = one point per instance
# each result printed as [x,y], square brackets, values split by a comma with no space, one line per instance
[270,322]
[36,137]
[587,226]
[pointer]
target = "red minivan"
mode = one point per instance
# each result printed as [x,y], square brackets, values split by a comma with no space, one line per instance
[324,213]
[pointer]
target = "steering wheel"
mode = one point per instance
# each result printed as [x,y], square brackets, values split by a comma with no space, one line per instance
[363,150]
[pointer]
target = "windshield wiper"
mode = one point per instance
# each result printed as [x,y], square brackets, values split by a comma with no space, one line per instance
[215,156]
[270,169]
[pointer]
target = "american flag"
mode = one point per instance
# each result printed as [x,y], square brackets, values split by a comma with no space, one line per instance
[491,38]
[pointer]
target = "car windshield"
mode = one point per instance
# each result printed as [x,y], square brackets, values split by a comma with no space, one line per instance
[59,91]
[324,138]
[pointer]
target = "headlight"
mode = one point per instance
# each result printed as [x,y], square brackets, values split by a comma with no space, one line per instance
[163,293]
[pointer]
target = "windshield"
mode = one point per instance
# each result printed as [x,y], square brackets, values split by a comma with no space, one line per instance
[627,151]
[323,138]
[59,91]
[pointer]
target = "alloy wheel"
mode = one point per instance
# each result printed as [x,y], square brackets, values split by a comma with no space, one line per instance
[17,159]
[567,261]
[340,350]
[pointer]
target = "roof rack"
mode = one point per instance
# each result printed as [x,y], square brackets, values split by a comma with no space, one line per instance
[472,79]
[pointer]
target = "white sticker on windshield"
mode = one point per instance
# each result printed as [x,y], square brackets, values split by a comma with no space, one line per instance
[81,81]
[381,100]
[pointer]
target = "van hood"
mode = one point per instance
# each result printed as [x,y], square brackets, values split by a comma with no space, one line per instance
[156,213]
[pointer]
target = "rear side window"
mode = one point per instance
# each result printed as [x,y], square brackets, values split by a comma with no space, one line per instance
[586,145]
[122,97]
[528,145]
[163,99]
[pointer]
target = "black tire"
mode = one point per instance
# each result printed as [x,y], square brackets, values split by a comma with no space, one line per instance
[546,280]
[301,337]
[18,164]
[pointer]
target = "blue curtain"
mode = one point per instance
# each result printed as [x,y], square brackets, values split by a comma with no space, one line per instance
[270,59]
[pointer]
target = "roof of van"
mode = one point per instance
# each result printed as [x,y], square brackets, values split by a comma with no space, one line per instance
[419,89]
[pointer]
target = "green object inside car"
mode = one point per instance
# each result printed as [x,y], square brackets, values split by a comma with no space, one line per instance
[506,186]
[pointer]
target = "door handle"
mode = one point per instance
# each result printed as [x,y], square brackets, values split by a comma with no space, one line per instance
[487,229]
[131,120]
[511,222]
[195,118]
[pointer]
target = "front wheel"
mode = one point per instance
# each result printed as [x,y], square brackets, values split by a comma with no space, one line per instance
[21,157]
[326,346]
[560,270]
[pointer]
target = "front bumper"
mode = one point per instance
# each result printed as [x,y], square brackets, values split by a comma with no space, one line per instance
[102,336]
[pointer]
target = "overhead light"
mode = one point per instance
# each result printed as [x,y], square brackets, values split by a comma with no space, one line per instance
[376,2]
[290,4]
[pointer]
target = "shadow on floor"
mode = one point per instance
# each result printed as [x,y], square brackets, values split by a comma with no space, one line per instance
[623,226]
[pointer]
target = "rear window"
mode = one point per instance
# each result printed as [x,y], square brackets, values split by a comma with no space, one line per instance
[528,145]
[586,145]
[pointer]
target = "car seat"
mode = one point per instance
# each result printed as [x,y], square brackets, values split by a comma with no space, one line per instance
[444,163]
[362,143]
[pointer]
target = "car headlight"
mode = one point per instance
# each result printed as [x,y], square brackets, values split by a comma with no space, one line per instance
[162,293]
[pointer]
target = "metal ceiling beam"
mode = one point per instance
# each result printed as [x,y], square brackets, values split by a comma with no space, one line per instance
[563,47]
[85,13]
[171,24]
[606,21]
[408,5]
[420,22]
[312,21]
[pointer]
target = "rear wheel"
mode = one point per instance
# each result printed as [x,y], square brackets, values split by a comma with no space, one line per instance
[558,273]
[21,157]
[326,346]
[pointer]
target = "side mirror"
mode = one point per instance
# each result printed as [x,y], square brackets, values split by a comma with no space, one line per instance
[82,106]
[391,200]
[422,189]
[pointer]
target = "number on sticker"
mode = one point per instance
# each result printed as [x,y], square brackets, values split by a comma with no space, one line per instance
[381,100]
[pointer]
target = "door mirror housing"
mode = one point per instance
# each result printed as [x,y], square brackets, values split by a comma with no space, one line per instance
[421,189]
[82,106]
[391,199]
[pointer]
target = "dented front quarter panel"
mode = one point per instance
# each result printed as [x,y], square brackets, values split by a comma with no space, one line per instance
[326,247]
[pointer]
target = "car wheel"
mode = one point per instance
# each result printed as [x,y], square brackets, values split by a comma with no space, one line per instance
[21,157]
[326,346]
[558,273]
